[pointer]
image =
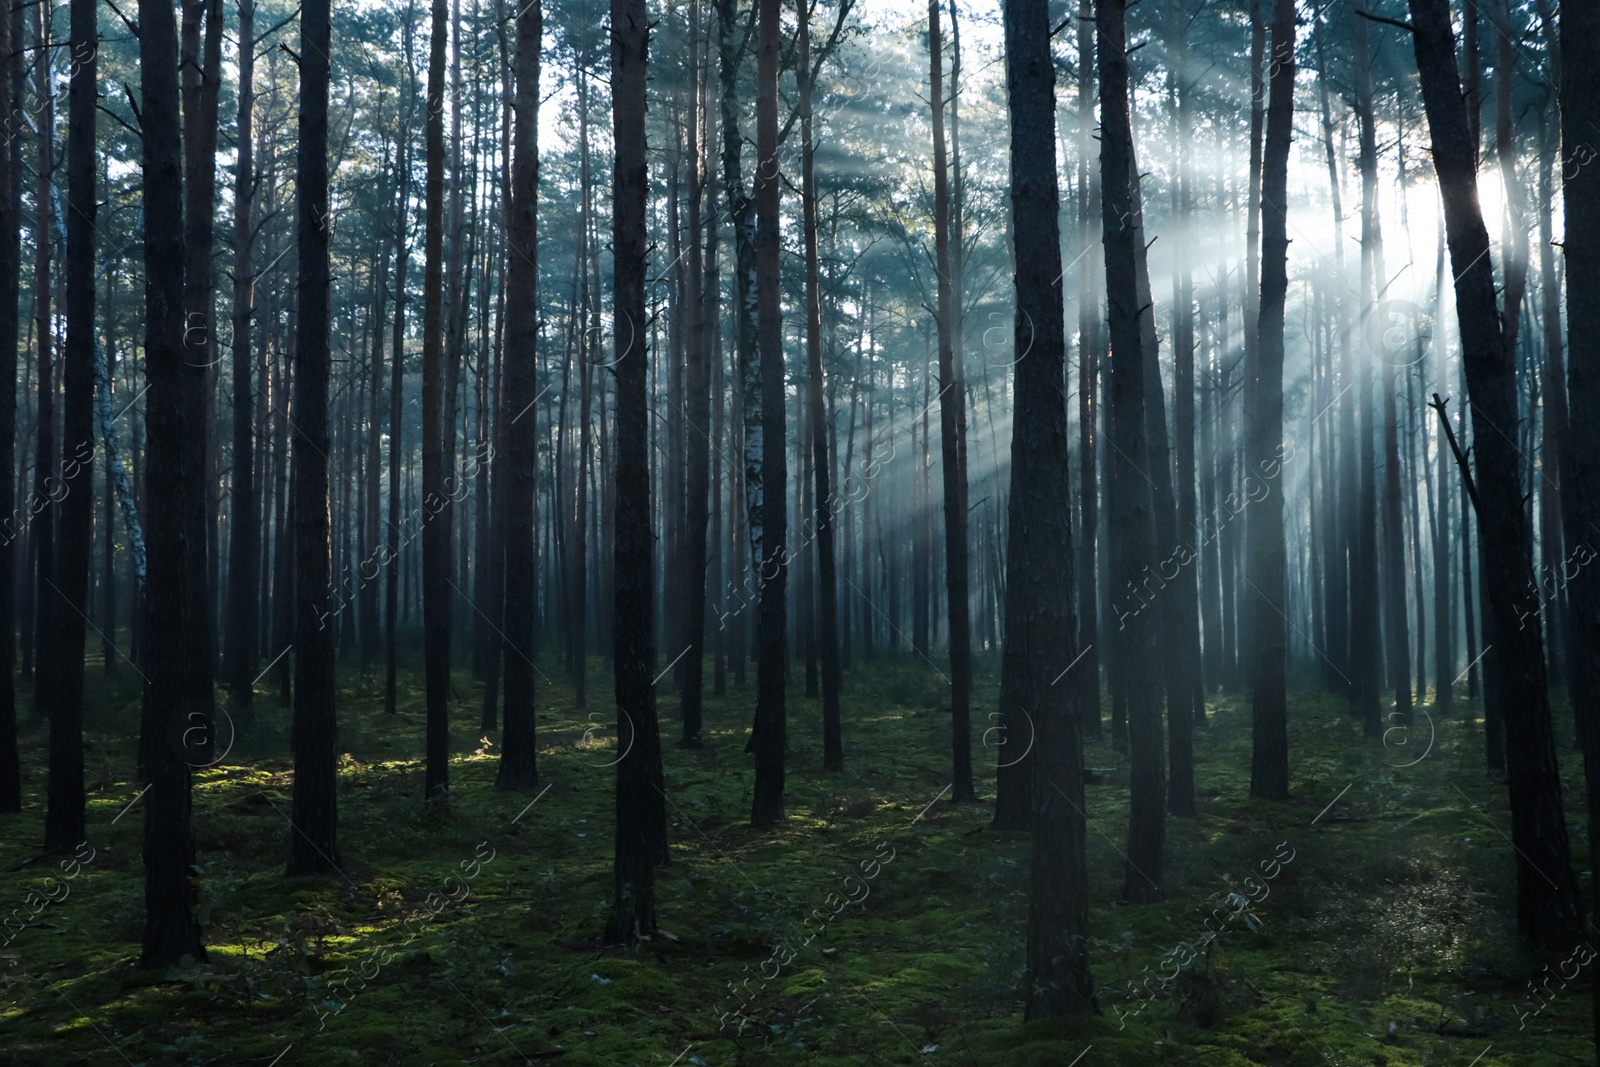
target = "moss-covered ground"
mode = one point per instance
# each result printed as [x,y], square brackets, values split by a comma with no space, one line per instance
[1386,939]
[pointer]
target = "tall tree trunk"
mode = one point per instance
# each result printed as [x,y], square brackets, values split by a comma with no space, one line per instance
[63,827]
[640,801]
[1579,79]
[1132,531]
[1091,358]
[42,533]
[436,459]
[1269,754]
[821,463]
[771,726]
[518,769]
[245,535]
[697,384]
[171,931]
[201,73]
[1040,624]
[952,441]
[313,840]
[1548,910]
[10,281]
[391,599]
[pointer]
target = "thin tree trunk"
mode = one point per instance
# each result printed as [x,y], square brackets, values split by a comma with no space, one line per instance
[952,441]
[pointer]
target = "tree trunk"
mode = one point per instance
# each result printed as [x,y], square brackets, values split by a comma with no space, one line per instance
[1132,531]
[436,460]
[1579,78]
[171,931]
[244,544]
[1548,911]
[1040,624]
[63,827]
[952,441]
[313,840]
[640,801]
[1269,755]
[518,769]
[10,281]
[771,724]
[697,384]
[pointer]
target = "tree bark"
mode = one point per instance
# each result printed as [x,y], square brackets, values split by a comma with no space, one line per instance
[1548,910]
[1132,531]
[63,827]
[1040,625]
[640,801]
[171,931]
[244,545]
[1269,754]
[436,460]
[518,769]
[771,725]
[313,839]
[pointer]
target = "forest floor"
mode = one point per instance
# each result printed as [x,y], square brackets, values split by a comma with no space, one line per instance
[471,934]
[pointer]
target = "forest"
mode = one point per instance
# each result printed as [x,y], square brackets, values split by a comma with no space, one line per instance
[478,584]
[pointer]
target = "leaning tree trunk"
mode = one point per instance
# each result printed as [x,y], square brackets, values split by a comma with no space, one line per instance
[1548,909]
[1040,623]
[171,931]
[63,826]
[1269,756]
[640,802]
[518,769]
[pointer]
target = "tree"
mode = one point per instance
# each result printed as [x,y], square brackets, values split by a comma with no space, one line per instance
[1579,79]
[697,403]
[171,931]
[244,546]
[518,769]
[313,841]
[1040,621]
[641,803]
[64,819]
[821,461]
[1548,912]
[1132,532]
[435,461]
[10,271]
[200,70]
[771,724]
[952,439]
[1269,750]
